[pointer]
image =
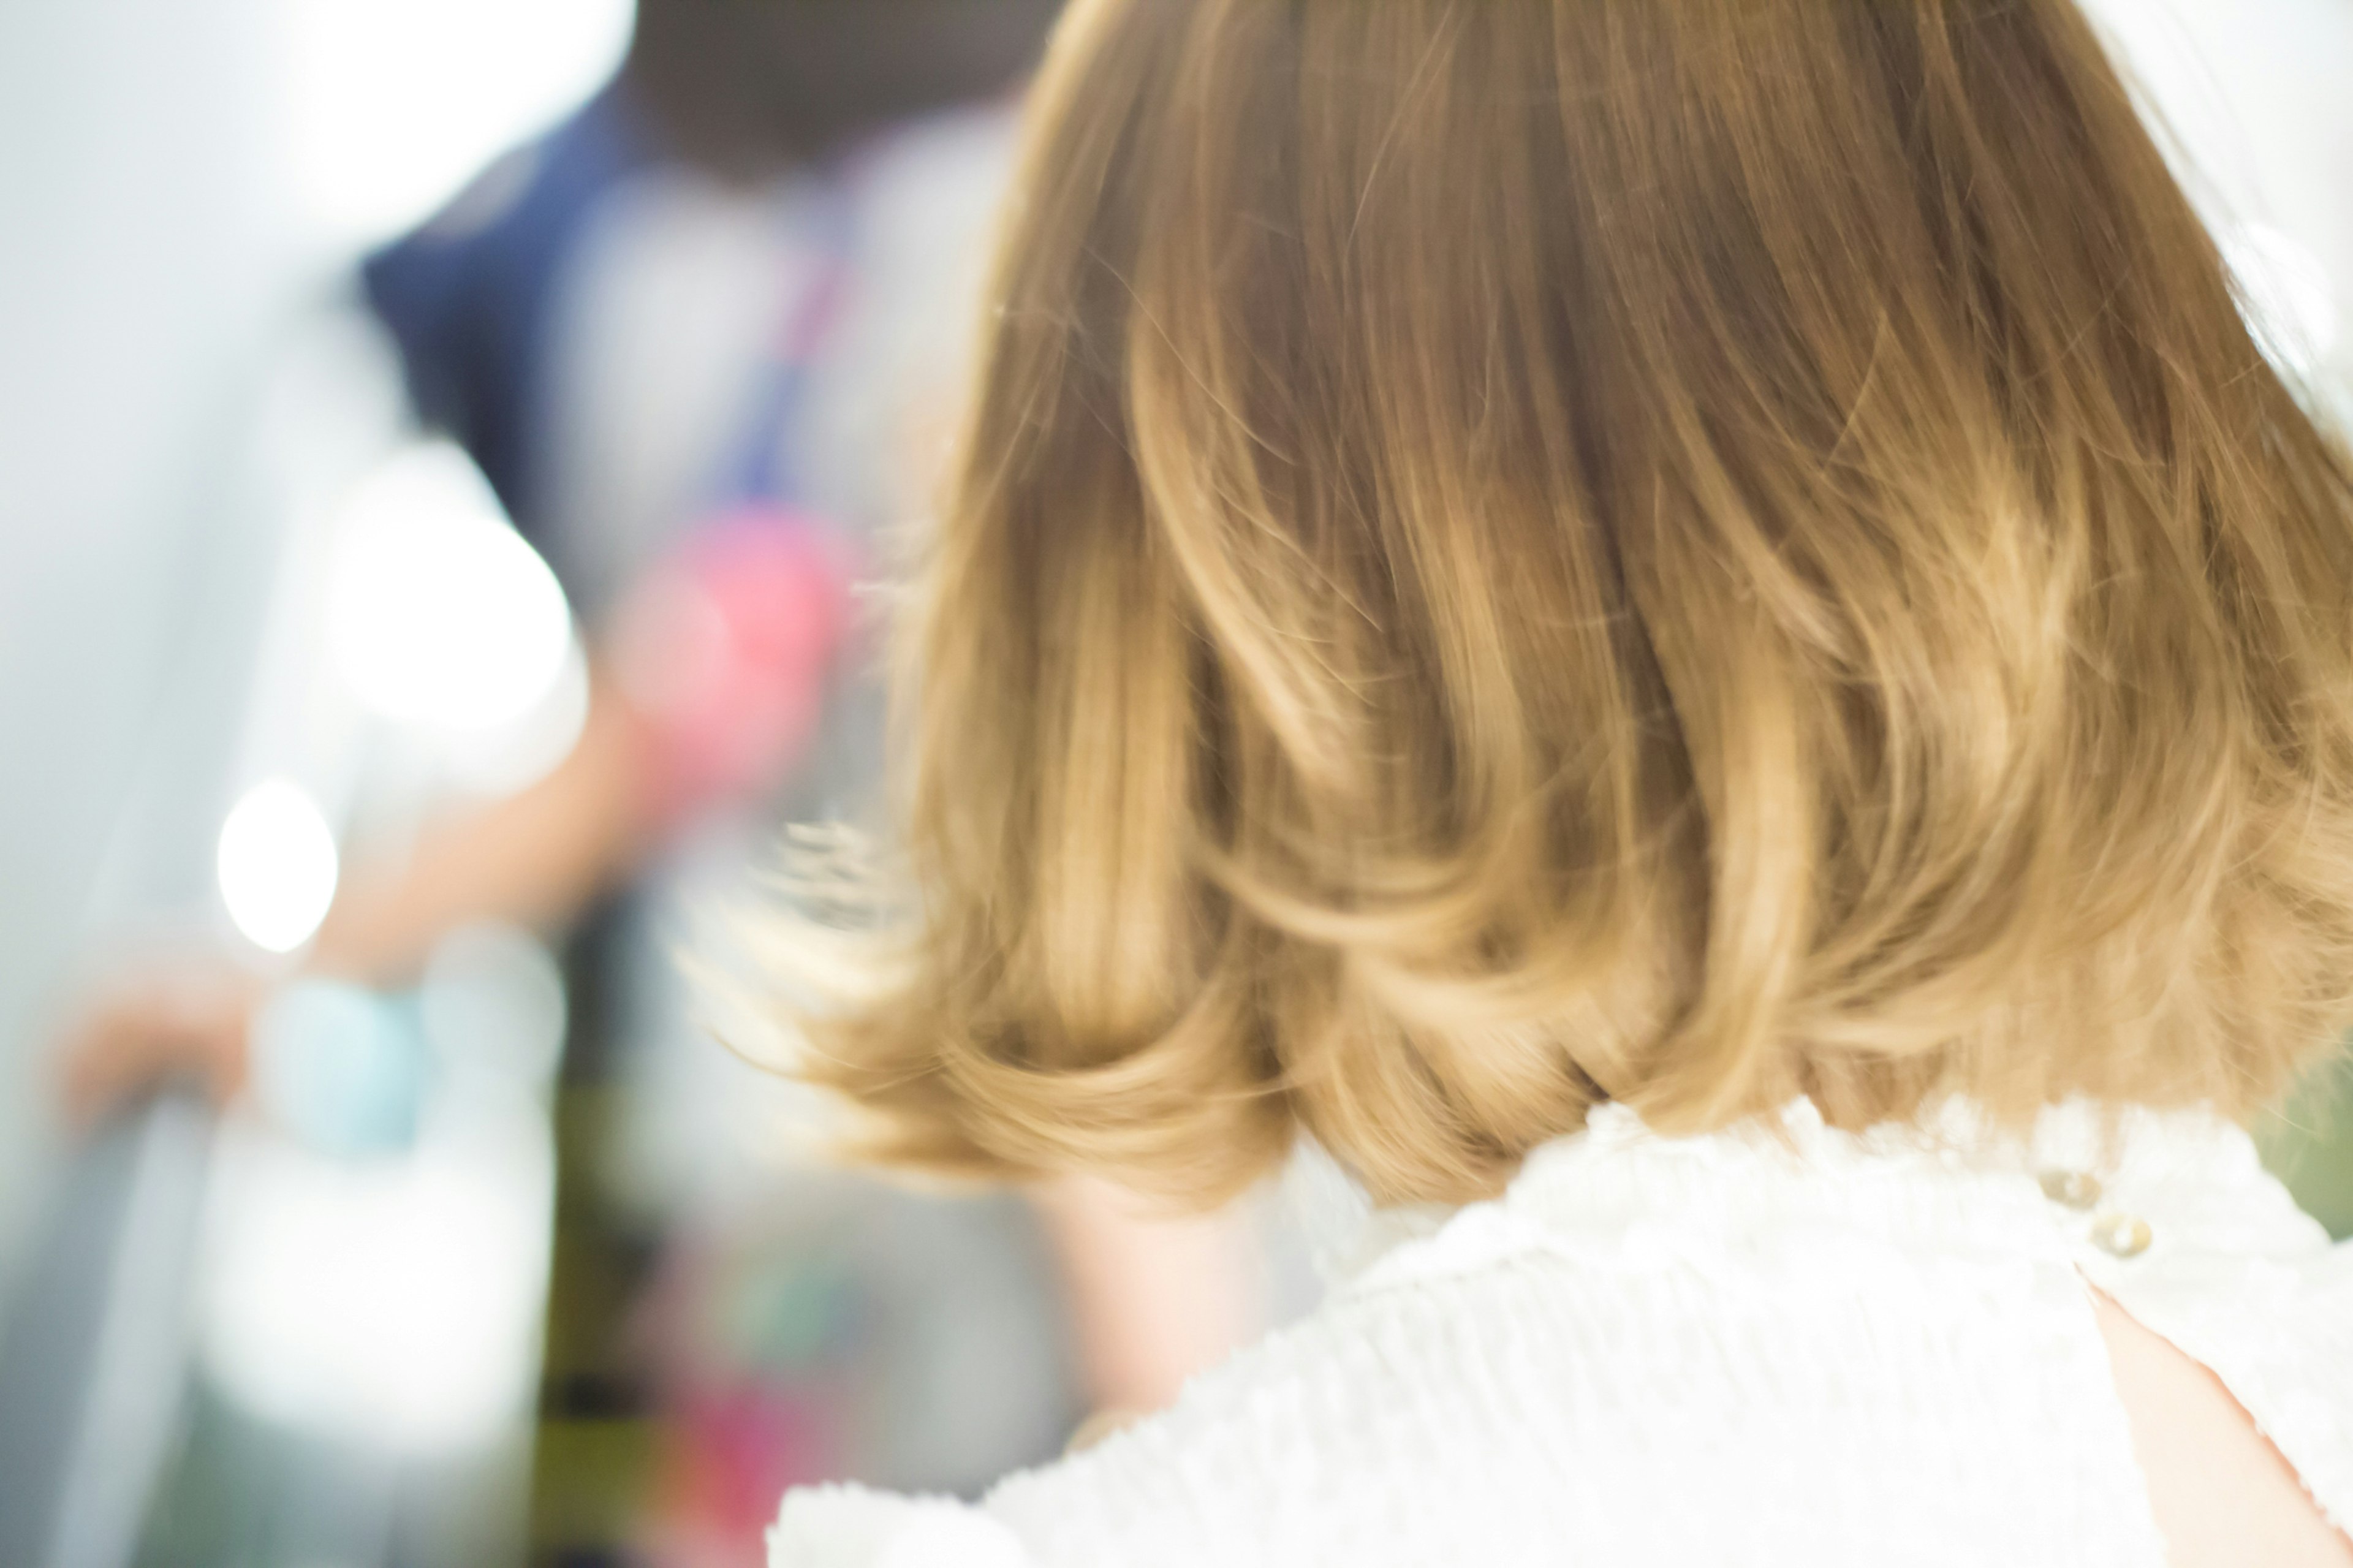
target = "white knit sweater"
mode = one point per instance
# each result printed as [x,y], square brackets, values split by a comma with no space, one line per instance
[1823,1350]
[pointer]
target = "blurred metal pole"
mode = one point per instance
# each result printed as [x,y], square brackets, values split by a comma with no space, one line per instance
[93,1356]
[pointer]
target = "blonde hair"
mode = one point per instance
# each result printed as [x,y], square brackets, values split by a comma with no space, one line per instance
[1516,553]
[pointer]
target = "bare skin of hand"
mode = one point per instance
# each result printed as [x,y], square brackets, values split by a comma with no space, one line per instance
[532,858]
[189,1021]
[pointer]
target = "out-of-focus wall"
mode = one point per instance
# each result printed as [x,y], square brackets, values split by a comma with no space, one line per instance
[142,246]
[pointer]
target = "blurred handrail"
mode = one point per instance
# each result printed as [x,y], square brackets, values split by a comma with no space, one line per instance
[93,1352]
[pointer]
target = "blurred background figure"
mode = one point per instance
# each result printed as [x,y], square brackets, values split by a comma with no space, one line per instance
[445,448]
[566,505]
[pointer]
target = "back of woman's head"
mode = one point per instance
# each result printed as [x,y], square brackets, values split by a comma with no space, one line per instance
[1514,553]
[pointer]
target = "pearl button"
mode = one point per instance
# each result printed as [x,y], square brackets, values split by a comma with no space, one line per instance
[2077,1189]
[2122,1235]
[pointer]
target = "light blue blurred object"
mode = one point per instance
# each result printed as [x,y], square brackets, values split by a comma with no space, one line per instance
[341,1068]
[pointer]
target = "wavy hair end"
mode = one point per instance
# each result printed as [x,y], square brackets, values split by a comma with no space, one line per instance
[1519,554]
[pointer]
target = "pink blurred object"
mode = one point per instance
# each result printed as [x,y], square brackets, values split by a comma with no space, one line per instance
[724,650]
[730,1456]
[753,1346]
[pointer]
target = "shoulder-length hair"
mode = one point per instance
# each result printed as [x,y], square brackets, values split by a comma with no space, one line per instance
[1516,553]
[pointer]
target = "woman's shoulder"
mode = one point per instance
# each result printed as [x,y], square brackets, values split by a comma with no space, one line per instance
[1201,1482]
[1473,1397]
[1744,1323]
[1349,1417]
[850,1526]
[854,1527]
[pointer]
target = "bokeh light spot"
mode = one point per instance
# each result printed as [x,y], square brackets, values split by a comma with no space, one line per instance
[278,865]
